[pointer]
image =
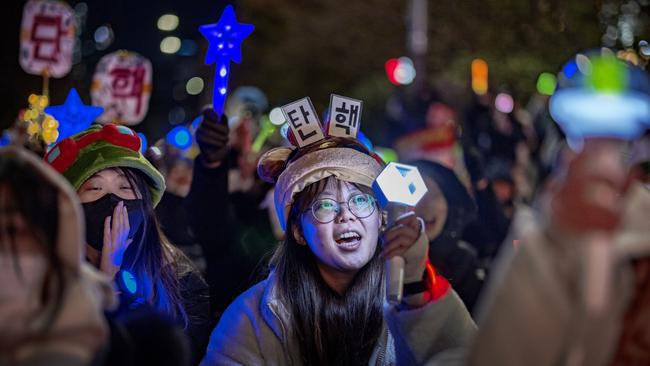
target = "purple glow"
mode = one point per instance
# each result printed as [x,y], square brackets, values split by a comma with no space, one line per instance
[504,103]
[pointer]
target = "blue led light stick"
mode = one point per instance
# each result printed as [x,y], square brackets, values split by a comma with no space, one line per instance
[399,187]
[224,45]
[599,95]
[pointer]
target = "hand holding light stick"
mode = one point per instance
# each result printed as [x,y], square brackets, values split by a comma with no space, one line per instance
[398,188]
[224,45]
[600,103]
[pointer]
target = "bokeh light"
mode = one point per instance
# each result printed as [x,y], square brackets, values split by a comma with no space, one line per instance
[194,86]
[168,22]
[276,116]
[546,83]
[170,45]
[143,142]
[180,137]
[504,103]
[479,76]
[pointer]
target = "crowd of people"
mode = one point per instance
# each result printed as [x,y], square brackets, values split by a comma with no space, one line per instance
[523,251]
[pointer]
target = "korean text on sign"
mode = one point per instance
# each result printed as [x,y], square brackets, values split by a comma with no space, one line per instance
[345,116]
[47,37]
[122,85]
[303,121]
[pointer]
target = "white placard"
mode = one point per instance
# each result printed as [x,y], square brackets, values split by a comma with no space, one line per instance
[345,116]
[122,85]
[303,121]
[47,36]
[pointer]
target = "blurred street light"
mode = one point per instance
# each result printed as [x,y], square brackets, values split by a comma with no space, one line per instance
[168,22]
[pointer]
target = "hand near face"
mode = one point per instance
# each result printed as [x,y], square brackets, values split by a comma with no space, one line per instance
[116,241]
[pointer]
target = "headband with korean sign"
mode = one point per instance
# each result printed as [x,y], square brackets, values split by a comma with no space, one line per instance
[345,117]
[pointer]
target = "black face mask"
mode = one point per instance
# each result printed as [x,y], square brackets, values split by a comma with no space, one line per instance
[97,211]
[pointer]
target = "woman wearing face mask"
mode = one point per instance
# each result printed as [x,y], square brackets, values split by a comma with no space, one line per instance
[119,189]
[323,302]
[51,304]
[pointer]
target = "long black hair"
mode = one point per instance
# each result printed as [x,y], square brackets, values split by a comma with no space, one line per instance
[156,264]
[330,328]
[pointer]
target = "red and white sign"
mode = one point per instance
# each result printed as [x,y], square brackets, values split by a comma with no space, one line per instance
[47,36]
[122,85]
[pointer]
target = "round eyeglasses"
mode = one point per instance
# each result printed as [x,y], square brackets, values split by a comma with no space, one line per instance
[326,209]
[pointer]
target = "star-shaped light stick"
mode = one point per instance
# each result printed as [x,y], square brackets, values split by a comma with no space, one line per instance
[224,39]
[73,115]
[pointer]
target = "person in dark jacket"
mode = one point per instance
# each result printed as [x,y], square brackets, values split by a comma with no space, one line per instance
[447,209]
[232,229]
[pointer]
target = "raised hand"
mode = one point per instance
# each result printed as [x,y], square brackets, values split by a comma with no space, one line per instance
[116,241]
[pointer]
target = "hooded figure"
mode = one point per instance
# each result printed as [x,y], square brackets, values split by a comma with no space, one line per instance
[447,209]
[51,302]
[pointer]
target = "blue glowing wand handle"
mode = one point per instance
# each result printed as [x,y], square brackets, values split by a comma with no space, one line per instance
[220,85]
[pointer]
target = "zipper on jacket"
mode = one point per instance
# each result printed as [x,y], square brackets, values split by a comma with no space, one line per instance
[382,354]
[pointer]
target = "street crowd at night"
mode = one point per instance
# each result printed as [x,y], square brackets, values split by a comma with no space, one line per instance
[218,182]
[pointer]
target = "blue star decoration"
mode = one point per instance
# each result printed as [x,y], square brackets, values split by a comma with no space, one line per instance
[73,115]
[225,37]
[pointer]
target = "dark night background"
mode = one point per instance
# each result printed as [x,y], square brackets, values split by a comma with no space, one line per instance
[320,47]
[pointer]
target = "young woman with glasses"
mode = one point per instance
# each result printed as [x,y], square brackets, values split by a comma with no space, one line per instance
[323,301]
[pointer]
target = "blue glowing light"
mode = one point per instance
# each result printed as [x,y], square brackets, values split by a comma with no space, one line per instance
[196,122]
[601,96]
[365,141]
[570,69]
[129,282]
[188,48]
[284,131]
[73,115]
[143,142]
[180,137]
[5,139]
[224,45]
[584,114]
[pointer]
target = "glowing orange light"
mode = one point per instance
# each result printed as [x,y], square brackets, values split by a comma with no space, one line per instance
[479,76]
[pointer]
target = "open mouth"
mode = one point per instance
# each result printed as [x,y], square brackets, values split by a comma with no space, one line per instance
[348,239]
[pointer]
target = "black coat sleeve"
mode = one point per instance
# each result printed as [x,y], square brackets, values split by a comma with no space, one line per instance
[214,227]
